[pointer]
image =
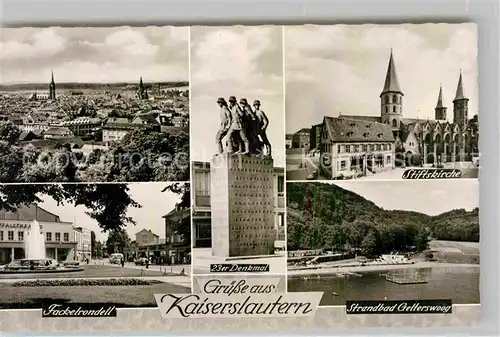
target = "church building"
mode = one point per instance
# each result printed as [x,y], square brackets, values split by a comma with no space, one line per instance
[413,141]
[142,92]
[51,95]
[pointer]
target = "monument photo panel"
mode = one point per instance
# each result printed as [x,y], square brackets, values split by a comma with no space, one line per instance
[113,245]
[372,101]
[95,104]
[237,94]
[384,240]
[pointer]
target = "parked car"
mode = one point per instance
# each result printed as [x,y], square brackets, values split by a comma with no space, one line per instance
[71,263]
[27,264]
[116,258]
[140,261]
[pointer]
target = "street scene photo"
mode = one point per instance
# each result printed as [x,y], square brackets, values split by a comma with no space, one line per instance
[384,240]
[85,104]
[114,244]
[237,125]
[371,101]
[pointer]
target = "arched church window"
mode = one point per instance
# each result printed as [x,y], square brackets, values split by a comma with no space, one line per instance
[395,99]
[394,108]
[386,109]
[386,99]
[394,123]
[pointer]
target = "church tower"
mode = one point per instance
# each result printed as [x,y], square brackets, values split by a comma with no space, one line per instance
[391,98]
[52,88]
[460,105]
[141,92]
[440,110]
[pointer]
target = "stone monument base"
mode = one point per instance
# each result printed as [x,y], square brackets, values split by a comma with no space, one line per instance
[242,203]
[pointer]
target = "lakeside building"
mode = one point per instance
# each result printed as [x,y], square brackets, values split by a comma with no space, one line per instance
[201,209]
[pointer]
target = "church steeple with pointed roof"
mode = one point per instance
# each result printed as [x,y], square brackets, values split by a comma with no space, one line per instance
[52,88]
[391,98]
[460,88]
[391,84]
[440,109]
[460,104]
[142,93]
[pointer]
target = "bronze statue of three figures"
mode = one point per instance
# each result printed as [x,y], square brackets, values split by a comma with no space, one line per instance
[243,127]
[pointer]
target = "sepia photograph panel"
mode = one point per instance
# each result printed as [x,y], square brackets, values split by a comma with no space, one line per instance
[384,240]
[88,104]
[237,107]
[372,101]
[110,244]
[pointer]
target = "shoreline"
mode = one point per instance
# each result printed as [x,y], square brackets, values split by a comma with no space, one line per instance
[371,268]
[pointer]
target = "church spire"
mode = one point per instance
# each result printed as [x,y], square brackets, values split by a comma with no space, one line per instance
[440,110]
[391,79]
[460,105]
[440,97]
[460,88]
[52,87]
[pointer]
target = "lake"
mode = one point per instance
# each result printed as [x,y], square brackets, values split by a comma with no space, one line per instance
[459,284]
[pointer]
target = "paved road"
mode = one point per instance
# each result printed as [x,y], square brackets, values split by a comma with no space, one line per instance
[295,172]
[177,269]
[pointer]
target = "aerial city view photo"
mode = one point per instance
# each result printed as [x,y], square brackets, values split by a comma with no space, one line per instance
[111,244]
[94,104]
[384,240]
[370,101]
[237,163]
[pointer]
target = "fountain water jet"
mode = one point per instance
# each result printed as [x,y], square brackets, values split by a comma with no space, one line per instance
[34,246]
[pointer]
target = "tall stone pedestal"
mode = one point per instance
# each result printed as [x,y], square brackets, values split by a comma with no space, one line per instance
[242,202]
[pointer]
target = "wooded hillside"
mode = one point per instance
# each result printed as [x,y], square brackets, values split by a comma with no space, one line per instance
[327,216]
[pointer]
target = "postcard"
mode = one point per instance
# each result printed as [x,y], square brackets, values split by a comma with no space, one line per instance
[221,178]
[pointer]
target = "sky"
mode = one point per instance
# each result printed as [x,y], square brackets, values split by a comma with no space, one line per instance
[431,197]
[154,202]
[341,69]
[246,62]
[101,55]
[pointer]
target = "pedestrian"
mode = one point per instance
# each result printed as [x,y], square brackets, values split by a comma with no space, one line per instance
[123,262]
[147,263]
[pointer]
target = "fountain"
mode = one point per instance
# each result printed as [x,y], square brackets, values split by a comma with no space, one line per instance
[35,260]
[34,246]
